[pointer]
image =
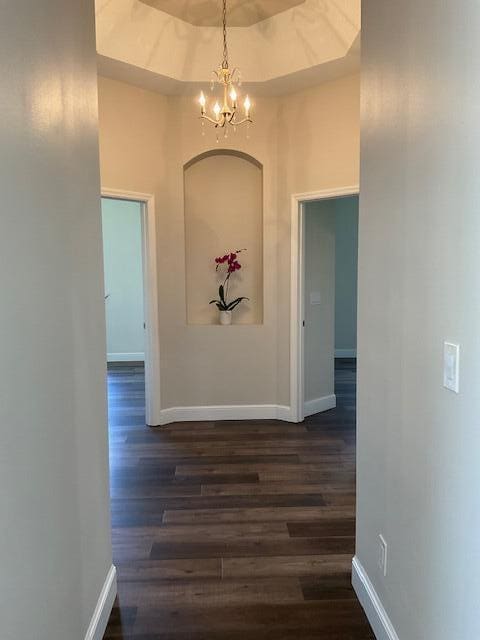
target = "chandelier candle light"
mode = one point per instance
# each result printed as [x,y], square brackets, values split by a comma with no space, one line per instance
[230,81]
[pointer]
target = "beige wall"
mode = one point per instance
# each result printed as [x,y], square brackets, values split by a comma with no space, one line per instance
[319,317]
[319,137]
[55,549]
[223,212]
[304,141]
[418,443]
[145,141]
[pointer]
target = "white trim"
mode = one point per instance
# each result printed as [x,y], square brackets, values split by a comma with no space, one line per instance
[226,412]
[103,608]
[345,353]
[150,288]
[374,610]
[125,357]
[297,226]
[325,403]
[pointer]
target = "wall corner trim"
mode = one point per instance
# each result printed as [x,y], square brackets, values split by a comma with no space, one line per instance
[374,610]
[226,412]
[319,404]
[100,617]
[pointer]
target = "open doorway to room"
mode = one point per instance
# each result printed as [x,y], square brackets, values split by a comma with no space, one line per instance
[124,312]
[330,303]
[131,310]
[324,302]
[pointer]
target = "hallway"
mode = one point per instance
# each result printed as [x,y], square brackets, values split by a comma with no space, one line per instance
[233,530]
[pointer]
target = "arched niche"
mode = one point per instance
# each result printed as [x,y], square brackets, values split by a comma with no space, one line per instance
[223,194]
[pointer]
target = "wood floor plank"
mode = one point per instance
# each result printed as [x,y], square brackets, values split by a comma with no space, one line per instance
[320,528]
[176,569]
[330,587]
[281,566]
[260,514]
[260,468]
[232,460]
[269,488]
[208,533]
[253,547]
[323,618]
[181,503]
[213,593]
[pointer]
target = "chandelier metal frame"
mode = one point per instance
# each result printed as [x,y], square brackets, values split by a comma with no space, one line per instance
[229,80]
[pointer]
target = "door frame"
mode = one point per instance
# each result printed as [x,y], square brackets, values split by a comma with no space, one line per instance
[297,291]
[153,410]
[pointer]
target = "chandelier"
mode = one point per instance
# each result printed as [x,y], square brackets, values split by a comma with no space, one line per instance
[225,109]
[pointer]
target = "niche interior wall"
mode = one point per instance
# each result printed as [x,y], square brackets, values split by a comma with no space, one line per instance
[223,191]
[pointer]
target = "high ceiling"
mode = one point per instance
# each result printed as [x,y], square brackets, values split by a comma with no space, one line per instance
[171,46]
[208,13]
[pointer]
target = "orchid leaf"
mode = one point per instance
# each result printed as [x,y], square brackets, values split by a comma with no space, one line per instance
[221,293]
[234,303]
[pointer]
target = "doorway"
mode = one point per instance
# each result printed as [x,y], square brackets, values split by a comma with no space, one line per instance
[323,300]
[131,302]
[123,274]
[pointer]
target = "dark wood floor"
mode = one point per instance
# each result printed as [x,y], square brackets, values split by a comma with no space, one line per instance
[233,530]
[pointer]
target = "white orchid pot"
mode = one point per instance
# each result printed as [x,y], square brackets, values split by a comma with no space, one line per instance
[225,317]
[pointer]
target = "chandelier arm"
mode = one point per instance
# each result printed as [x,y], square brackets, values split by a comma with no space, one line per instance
[237,123]
[217,123]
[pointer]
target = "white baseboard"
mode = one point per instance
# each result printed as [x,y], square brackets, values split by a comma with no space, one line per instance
[284,413]
[376,614]
[125,357]
[227,412]
[319,404]
[345,353]
[99,621]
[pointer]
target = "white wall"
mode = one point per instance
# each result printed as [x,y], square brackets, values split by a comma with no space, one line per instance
[319,333]
[55,548]
[346,255]
[123,277]
[419,266]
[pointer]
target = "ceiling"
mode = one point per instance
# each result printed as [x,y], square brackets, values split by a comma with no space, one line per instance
[301,44]
[208,13]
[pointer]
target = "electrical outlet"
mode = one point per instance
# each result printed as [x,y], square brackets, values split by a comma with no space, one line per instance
[382,554]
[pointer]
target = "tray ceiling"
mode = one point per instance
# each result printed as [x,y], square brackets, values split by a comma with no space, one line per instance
[208,13]
[310,42]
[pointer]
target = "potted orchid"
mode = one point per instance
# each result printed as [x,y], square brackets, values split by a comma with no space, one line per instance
[230,264]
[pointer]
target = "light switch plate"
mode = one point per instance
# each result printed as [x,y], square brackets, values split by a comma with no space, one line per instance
[315,297]
[451,363]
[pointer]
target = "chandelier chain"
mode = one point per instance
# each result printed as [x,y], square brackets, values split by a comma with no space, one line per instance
[225,47]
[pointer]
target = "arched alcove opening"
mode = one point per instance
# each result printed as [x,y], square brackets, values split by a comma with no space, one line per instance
[223,192]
